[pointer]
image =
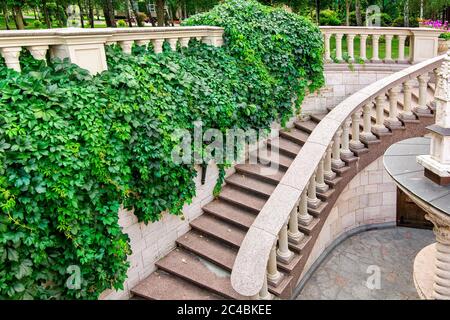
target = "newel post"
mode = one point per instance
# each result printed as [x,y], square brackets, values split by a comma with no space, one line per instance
[424,44]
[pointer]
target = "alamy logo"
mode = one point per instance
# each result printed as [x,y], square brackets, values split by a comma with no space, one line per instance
[373,282]
[74,280]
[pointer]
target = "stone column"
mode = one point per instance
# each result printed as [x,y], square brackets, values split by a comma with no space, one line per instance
[392,121]
[379,127]
[362,47]
[355,144]
[158,45]
[401,49]
[350,41]
[321,186]
[11,56]
[339,47]
[336,161]
[184,42]
[328,172]
[126,46]
[273,275]
[327,47]
[38,52]
[407,114]
[423,92]
[375,39]
[346,153]
[304,218]
[388,57]
[264,293]
[173,43]
[283,252]
[313,201]
[367,135]
[295,236]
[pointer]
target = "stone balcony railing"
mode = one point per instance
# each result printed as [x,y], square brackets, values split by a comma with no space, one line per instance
[423,43]
[333,140]
[86,47]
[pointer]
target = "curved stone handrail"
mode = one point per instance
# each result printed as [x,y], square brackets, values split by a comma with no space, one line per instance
[249,276]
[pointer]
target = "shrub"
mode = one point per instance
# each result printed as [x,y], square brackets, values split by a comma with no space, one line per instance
[400,22]
[141,17]
[121,24]
[329,18]
[445,35]
[37,24]
[385,19]
[74,147]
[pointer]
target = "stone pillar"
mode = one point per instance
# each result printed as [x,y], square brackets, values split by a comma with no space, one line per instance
[38,52]
[158,45]
[336,161]
[321,186]
[327,47]
[392,121]
[328,172]
[339,47]
[264,293]
[126,46]
[184,42]
[407,114]
[350,42]
[346,153]
[388,57]
[362,47]
[313,201]
[367,135]
[173,43]
[379,127]
[295,236]
[401,49]
[11,56]
[283,252]
[375,39]
[355,144]
[273,275]
[423,92]
[304,218]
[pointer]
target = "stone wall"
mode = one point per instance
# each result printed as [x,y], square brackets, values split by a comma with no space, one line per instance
[369,198]
[343,80]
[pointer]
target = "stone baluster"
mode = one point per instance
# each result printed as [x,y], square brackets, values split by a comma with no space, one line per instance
[422,108]
[379,127]
[355,143]
[273,275]
[283,253]
[126,46]
[173,43]
[388,56]
[346,153]
[304,218]
[367,135]
[392,121]
[142,42]
[328,173]
[158,45]
[295,236]
[264,293]
[362,47]
[339,47]
[407,114]
[336,161]
[350,42]
[321,186]
[184,42]
[38,52]
[401,49]
[313,201]
[375,39]
[327,47]
[11,56]
[436,78]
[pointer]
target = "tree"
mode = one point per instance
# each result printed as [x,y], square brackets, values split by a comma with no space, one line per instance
[347,12]
[160,12]
[358,12]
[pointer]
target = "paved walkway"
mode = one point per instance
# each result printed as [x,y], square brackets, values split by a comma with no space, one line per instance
[350,270]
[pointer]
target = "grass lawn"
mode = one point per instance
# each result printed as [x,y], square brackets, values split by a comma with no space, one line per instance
[369,48]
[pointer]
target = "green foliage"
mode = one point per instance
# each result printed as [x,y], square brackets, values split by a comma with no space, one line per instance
[400,22]
[385,19]
[329,18]
[73,147]
[121,24]
[445,35]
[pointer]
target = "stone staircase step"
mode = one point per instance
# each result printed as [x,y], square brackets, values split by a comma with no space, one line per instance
[295,135]
[251,184]
[325,195]
[317,211]
[241,197]
[284,146]
[198,271]
[299,247]
[209,249]
[281,286]
[289,267]
[309,228]
[334,182]
[230,213]
[219,229]
[276,159]
[307,126]
[163,286]
[318,117]
[261,172]
[341,171]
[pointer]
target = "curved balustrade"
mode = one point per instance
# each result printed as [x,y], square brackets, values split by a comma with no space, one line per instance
[328,145]
[85,47]
[423,43]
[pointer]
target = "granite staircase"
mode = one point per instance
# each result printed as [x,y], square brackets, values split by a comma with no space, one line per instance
[200,266]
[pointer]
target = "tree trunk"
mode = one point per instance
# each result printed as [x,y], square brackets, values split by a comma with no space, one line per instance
[108,11]
[18,18]
[358,13]
[81,13]
[128,13]
[5,14]
[406,13]
[347,12]
[160,12]
[421,9]
[135,9]
[91,14]
[46,15]
[318,12]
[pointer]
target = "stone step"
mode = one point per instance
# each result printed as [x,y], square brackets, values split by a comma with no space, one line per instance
[209,249]
[261,172]
[219,229]
[284,146]
[310,227]
[307,126]
[251,184]
[318,117]
[230,213]
[275,160]
[198,271]
[241,197]
[163,286]
[295,135]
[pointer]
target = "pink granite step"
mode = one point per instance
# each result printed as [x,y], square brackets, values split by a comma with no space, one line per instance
[230,213]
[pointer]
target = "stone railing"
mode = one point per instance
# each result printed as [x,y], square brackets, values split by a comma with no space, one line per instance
[85,47]
[423,43]
[329,144]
